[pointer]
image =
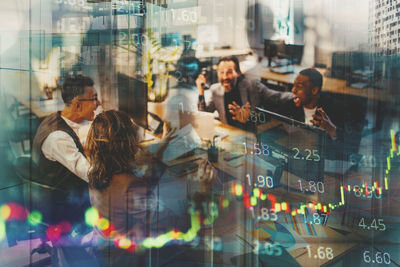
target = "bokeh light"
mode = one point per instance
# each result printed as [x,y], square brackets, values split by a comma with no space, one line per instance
[2,230]
[257,192]
[104,224]
[124,243]
[5,212]
[109,231]
[53,233]
[225,203]
[17,212]
[239,189]
[34,218]
[65,227]
[253,200]
[91,216]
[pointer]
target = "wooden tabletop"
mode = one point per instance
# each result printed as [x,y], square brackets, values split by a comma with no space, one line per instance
[231,145]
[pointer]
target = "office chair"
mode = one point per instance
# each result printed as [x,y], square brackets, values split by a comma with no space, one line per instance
[52,203]
[21,123]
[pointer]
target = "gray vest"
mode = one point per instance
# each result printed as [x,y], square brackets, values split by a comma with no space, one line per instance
[52,172]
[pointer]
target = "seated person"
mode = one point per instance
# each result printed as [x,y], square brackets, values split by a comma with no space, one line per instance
[116,190]
[234,91]
[308,105]
[57,151]
[312,107]
[183,96]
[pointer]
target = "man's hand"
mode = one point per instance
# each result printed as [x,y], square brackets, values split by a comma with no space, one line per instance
[321,120]
[240,114]
[201,79]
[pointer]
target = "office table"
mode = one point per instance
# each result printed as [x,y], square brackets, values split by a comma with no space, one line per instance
[232,220]
[40,108]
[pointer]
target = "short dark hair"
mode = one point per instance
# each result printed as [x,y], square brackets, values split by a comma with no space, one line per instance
[74,85]
[231,58]
[314,76]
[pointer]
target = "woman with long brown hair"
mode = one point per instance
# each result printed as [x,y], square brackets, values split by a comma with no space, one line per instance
[124,201]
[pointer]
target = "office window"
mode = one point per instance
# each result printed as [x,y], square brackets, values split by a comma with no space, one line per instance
[294,177]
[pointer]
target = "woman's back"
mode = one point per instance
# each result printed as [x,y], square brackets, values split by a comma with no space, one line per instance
[124,202]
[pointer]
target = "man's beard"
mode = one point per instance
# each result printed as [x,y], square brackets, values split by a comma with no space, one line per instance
[230,87]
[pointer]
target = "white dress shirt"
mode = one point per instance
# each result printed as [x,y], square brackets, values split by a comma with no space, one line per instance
[59,146]
[308,112]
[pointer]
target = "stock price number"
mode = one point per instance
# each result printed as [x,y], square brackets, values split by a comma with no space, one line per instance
[312,155]
[258,149]
[136,39]
[312,187]
[268,215]
[321,254]
[379,257]
[178,17]
[267,248]
[366,192]
[320,219]
[257,117]
[373,225]
[261,182]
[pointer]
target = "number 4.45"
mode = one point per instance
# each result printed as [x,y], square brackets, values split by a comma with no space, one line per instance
[377,227]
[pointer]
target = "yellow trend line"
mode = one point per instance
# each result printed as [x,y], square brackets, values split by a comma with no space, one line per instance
[238,190]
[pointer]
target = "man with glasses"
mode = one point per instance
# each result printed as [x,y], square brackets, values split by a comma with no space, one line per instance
[57,150]
[59,163]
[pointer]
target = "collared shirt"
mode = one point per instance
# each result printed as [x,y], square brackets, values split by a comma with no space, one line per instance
[59,146]
[308,112]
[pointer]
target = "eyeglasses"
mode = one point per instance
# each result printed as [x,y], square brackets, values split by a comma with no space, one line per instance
[89,99]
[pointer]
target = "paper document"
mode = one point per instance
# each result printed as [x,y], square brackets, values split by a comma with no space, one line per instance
[186,140]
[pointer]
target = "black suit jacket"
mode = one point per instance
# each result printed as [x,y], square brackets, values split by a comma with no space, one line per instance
[252,91]
[338,113]
[332,107]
